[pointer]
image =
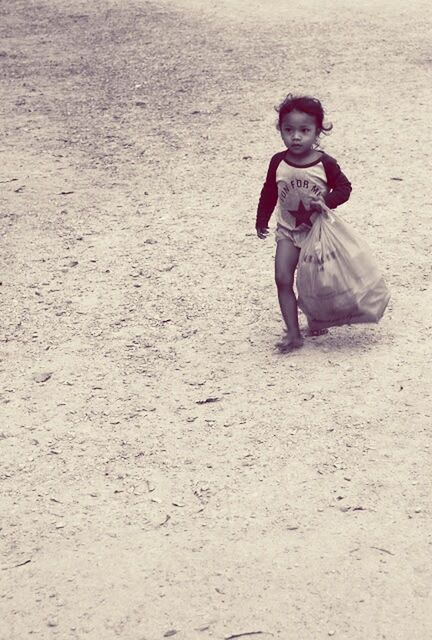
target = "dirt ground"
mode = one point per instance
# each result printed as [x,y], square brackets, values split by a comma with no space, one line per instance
[164,472]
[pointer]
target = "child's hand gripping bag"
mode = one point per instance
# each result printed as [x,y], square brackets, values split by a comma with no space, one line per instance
[338,281]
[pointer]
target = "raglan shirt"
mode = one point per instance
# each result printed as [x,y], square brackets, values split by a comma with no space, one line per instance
[291,188]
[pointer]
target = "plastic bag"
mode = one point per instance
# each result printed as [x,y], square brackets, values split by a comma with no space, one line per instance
[338,281]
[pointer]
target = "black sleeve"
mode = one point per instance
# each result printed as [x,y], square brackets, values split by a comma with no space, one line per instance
[340,186]
[269,194]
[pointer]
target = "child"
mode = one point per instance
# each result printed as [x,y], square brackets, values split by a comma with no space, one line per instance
[299,180]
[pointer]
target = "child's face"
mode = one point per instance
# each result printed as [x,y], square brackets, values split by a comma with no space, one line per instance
[299,132]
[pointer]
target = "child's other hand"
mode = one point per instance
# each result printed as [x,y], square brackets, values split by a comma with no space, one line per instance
[316,205]
[262,232]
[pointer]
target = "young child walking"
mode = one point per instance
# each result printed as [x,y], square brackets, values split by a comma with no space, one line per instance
[300,180]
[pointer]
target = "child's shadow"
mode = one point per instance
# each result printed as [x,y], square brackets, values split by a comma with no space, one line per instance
[353,337]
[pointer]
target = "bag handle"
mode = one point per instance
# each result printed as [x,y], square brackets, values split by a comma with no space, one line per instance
[328,214]
[325,217]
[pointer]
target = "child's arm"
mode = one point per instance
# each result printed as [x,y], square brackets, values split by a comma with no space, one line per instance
[268,198]
[340,186]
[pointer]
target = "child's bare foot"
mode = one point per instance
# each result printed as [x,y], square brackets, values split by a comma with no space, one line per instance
[288,344]
[313,333]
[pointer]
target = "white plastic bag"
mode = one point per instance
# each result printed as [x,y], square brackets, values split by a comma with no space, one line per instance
[338,281]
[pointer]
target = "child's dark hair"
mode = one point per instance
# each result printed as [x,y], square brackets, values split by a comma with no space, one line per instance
[305,104]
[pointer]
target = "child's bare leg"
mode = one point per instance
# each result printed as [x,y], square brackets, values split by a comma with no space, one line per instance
[285,265]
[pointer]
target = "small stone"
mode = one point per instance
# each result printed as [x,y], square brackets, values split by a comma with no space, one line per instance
[42,377]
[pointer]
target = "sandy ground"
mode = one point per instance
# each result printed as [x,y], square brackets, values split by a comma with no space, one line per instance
[164,473]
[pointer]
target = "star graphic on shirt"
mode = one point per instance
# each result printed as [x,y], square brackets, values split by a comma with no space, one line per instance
[301,214]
